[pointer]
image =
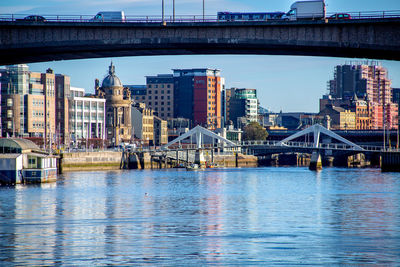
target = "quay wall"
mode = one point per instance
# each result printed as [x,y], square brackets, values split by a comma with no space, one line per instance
[390,162]
[236,161]
[86,161]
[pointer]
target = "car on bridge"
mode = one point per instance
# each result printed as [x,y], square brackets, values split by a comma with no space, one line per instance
[33,18]
[340,16]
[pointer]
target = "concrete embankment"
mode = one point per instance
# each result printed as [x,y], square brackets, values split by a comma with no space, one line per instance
[390,162]
[86,161]
[238,160]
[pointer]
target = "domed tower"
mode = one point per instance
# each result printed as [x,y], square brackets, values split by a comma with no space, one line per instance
[118,108]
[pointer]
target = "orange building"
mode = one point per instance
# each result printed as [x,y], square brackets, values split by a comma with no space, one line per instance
[198,96]
[363,114]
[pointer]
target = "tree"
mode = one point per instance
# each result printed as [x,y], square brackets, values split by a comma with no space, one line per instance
[254,131]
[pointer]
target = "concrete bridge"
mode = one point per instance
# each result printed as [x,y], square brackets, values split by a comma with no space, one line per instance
[26,42]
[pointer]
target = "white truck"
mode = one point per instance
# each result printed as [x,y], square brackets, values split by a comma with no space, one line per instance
[109,16]
[313,9]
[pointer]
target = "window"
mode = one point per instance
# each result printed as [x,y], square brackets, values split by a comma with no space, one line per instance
[9,102]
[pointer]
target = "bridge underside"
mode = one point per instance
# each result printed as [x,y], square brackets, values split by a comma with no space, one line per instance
[37,42]
[92,50]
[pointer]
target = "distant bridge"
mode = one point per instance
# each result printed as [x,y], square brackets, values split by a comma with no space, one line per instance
[25,42]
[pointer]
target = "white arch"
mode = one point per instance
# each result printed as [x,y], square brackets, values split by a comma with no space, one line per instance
[199,131]
[317,129]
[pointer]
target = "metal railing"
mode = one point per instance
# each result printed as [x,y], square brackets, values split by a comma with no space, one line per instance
[332,146]
[355,15]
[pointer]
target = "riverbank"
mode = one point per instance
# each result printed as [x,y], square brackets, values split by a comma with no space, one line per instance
[90,161]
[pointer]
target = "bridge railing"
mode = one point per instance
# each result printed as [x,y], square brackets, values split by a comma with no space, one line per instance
[332,146]
[186,18]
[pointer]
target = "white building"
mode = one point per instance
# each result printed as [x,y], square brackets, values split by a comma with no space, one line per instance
[87,116]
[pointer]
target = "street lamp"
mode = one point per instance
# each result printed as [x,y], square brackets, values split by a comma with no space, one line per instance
[203,10]
[173,10]
[162,11]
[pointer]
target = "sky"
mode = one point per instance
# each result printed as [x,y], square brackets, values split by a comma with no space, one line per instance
[283,83]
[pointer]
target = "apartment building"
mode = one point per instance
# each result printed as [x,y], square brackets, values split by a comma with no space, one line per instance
[86,116]
[28,104]
[198,96]
[160,131]
[241,106]
[368,82]
[143,123]
[160,95]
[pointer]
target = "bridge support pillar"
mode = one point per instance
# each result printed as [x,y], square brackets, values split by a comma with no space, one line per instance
[199,157]
[315,162]
[134,161]
[390,162]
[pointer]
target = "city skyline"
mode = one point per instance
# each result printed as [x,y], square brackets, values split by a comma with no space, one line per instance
[288,83]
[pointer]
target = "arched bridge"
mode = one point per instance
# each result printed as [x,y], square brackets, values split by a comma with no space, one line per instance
[25,42]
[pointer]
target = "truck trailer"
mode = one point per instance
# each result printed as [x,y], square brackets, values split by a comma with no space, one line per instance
[306,10]
[109,16]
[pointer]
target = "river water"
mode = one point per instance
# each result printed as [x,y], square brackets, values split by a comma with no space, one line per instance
[224,217]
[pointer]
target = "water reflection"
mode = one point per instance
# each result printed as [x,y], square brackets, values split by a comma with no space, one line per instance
[263,216]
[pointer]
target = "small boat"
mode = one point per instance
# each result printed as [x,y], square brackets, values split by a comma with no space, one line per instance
[192,167]
[212,165]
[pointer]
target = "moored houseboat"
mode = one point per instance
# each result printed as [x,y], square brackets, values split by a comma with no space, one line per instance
[22,161]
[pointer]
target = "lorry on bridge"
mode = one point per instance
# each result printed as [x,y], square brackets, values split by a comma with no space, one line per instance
[109,16]
[302,10]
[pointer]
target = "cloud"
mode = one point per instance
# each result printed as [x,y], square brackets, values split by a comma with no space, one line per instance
[15,9]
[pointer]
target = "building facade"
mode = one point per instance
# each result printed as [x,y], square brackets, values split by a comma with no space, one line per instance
[341,119]
[86,116]
[14,88]
[48,80]
[160,95]
[363,111]
[242,106]
[62,91]
[29,104]
[118,108]
[143,123]
[369,83]
[138,93]
[160,131]
[198,96]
